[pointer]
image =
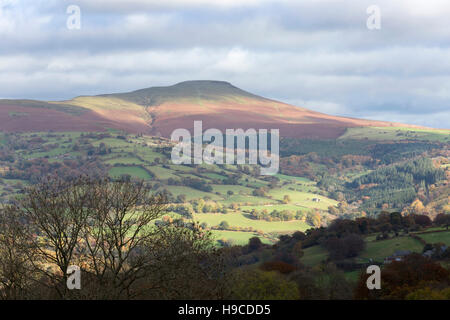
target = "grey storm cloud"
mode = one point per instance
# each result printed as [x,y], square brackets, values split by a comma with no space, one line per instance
[317,54]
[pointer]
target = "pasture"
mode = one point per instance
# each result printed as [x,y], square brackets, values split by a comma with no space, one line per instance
[135,172]
[238,219]
[436,237]
[378,250]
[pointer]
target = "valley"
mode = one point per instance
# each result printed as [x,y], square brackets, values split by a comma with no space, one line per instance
[233,202]
[348,193]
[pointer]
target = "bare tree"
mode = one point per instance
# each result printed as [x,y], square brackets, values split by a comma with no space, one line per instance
[121,223]
[107,228]
[54,213]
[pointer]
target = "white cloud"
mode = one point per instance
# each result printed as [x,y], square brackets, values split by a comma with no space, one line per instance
[327,107]
[134,5]
[235,61]
[313,53]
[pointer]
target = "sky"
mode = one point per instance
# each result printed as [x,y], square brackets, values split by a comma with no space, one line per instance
[318,54]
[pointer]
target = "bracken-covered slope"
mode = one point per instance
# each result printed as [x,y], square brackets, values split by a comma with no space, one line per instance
[160,110]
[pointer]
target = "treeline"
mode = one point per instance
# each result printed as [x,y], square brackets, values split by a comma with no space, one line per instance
[275,215]
[388,153]
[198,206]
[192,183]
[34,170]
[312,217]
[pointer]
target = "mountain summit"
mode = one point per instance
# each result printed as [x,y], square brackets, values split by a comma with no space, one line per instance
[199,89]
[160,110]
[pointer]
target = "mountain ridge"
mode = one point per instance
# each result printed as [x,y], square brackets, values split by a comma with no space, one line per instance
[160,110]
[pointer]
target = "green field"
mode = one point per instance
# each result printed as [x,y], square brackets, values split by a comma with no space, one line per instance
[239,219]
[295,180]
[148,154]
[314,255]
[246,199]
[396,133]
[436,237]
[378,250]
[124,160]
[272,207]
[111,142]
[51,153]
[237,238]
[223,189]
[191,194]
[135,172]
[162,173]
[214,176]
[303,198]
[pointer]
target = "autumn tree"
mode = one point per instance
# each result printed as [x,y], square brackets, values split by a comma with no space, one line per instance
[313,218]
[416,207]
[442,219]
[286,199]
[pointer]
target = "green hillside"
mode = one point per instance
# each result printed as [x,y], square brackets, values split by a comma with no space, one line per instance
[396,133]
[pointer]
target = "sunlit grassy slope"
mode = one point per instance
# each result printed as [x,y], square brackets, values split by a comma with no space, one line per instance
[112,108]
[396,133]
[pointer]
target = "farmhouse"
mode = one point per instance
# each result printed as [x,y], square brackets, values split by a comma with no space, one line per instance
[399,255]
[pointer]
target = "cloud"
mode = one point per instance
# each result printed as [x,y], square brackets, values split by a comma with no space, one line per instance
[316,54]
[320,106]
[135,5]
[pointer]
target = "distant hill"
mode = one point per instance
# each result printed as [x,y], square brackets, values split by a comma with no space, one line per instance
[160,110]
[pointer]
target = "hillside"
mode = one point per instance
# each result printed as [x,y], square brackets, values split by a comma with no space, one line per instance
[160,110]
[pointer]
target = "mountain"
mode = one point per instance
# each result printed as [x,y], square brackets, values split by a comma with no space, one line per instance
[160,110]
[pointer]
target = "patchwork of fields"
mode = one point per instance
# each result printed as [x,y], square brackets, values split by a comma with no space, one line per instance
[141,157]
[240,189]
